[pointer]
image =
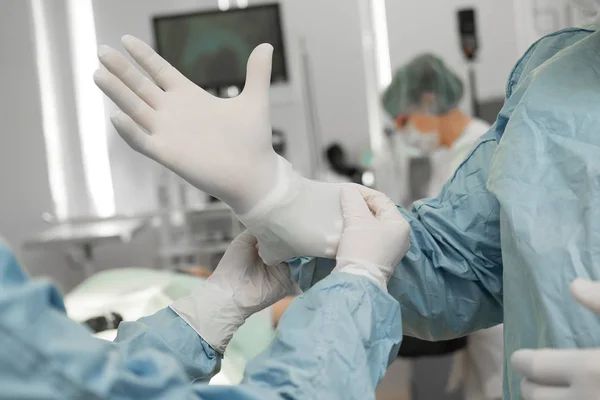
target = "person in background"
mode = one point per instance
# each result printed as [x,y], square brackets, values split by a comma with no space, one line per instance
[423,100]
[43,354]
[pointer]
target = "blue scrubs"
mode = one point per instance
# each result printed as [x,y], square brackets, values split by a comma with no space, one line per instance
[335,341]
[520,218]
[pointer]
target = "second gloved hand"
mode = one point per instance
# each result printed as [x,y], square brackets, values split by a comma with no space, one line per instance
[223,147]
[240,286]
[375,236]
[563,374]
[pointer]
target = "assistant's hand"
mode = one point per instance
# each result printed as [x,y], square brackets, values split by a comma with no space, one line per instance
[563,374]
[222,146]
[240,286]
[375,236]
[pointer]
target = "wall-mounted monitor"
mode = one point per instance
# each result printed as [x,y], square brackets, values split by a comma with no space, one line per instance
[212,48]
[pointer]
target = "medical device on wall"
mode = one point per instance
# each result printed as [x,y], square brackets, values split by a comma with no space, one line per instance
[467,27]
[211,48]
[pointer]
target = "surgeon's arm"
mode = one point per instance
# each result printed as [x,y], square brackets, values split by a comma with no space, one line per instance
[334,342]
[45,355]
[167,332]
[450,282]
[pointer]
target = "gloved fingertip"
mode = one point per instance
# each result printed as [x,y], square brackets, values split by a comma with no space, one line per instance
[265,47]
[115,116]
[247,238]
[522,360]
[346,192]
[103,51]
[580,285]
[128,40]
[353,204]
[98,76]
[587,293]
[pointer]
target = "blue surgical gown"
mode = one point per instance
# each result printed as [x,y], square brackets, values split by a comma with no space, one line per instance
[334,342]
[520,218]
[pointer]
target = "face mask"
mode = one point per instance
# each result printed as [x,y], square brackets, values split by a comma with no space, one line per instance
[425,142]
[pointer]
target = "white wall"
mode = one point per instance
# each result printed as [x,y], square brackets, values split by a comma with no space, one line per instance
[431,26]
[536,18]
[332,30]
[25,192]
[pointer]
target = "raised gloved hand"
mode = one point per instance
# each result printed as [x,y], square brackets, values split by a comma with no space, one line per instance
[563,374]
[375,236]
[240,286]
[223,147]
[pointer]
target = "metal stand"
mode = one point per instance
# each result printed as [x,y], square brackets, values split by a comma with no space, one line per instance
[77,239]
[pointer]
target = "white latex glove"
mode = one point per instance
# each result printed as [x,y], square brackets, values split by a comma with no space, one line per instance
[563,374]
[240,286]
[375,236]
[222,147]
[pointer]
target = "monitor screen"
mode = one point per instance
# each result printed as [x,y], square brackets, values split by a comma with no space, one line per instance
[212,48]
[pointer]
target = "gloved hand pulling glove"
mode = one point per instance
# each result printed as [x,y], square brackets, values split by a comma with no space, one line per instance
[240,286]
[375,236]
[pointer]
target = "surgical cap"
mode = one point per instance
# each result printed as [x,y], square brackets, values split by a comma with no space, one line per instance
[424,74]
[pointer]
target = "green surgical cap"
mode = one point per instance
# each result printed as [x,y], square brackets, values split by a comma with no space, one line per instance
[424,74]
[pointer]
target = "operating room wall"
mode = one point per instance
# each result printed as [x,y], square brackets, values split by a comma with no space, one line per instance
[536,18]
[432,26]
[25,190]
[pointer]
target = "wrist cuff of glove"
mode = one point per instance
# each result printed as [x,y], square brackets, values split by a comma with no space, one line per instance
[362,268]
[212,313]
[278,195]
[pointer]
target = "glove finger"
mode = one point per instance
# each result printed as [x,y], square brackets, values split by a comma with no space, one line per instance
[587,293]
[239,256]
[120,67]
[533,391]
[246,239]
[546,366]
[124,98]
[258,75]
[353,206]
[380,204]
[384,208]
[131,133]
[163,73]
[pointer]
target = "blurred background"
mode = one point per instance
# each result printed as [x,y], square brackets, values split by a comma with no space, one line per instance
[77,201]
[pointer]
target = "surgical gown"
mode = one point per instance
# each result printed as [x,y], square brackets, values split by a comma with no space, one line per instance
[520,218]
[334,342]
